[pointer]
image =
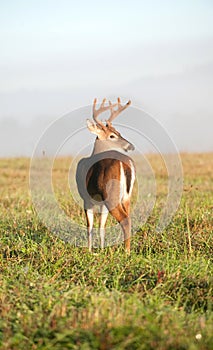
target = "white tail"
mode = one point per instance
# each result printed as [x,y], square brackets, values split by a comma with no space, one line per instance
[107,176]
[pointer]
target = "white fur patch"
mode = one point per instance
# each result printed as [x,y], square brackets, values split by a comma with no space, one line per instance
[132,177]
[123,189]
[123,185]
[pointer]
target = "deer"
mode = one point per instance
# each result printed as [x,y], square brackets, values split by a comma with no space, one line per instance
[107,177]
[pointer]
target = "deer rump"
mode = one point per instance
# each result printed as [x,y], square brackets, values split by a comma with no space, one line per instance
[99,179]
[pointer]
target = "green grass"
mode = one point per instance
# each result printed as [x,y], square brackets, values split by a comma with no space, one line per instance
[56,296]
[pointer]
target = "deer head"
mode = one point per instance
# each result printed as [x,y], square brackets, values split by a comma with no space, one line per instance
[106,133]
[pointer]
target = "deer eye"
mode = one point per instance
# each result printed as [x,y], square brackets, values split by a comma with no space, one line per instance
[112,136]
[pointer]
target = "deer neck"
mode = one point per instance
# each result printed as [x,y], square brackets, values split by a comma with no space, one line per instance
[103,146]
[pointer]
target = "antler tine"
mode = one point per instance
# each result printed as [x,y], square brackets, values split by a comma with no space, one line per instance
[102,109]
[115,113]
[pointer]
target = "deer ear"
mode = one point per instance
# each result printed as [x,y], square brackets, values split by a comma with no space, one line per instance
[92,127]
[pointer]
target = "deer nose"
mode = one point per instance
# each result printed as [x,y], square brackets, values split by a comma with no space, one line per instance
[130,147]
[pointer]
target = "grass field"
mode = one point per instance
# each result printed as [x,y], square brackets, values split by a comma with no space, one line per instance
[56,296]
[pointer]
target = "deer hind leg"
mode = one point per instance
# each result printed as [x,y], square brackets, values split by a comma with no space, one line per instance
[126,205]
[90,219]
[121,215]
[126,224]
[103,219]
[126,227]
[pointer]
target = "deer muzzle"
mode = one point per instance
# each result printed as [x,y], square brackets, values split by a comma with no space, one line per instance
[129,147]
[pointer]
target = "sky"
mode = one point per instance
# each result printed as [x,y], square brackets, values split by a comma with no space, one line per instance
[57,56]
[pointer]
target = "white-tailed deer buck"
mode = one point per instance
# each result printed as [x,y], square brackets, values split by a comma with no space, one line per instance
[107,177]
